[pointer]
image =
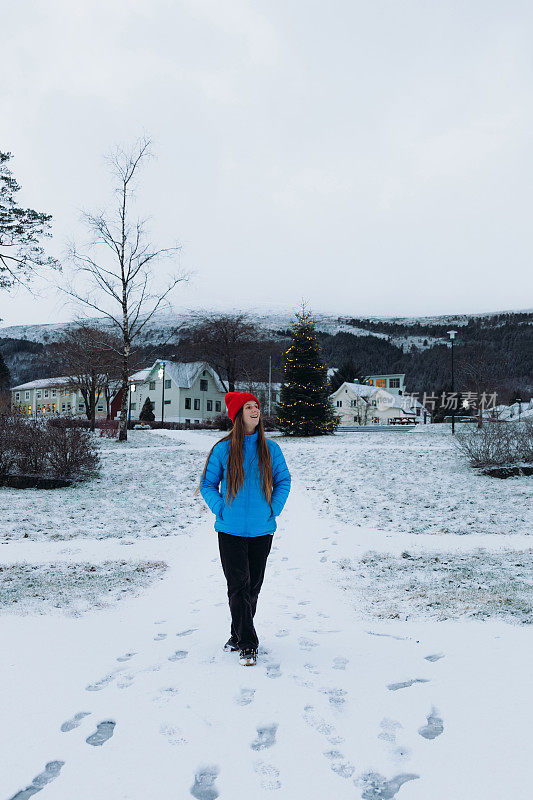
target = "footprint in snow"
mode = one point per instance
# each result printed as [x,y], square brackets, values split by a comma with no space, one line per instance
[266,737]
[273,670]
[104,731]
[298,616]
[204,783]
[307,644]
[70,724]
[336,696]
[269,775]
[434,727]
[159,637]
[389,728]
[339,662]
[98,685]
[172,734]
[126,656]
[404,684]
[282,632]
[284,558]
[434,656]
[165,695]
[51,771]
[125,680]
[304,602]
[159,621]
[338,764]
[312,669]
[178,655]
[187,632]
[245,696]
[317,722]
[377,787]
[323,558]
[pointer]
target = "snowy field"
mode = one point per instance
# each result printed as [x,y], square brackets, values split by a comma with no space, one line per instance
[394,659]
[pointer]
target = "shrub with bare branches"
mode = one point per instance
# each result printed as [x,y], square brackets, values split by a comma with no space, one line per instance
[497,444]
[71,452]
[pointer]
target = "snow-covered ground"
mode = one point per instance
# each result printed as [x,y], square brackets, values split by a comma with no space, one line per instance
[394,657]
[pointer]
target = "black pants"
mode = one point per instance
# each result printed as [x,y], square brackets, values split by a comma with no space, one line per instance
[243,561]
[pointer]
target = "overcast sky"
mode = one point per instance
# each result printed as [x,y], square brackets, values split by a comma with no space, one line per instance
[374,158]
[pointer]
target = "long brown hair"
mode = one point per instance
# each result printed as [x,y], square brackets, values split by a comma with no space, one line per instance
[235,473]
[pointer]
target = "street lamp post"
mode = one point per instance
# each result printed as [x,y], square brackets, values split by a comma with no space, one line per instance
[161,375]
[451,334]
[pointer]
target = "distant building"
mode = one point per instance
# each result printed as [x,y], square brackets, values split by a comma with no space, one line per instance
[187,392]
[361,404]
[393,383]
[52,396]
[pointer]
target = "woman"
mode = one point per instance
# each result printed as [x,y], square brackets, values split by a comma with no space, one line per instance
[254,485]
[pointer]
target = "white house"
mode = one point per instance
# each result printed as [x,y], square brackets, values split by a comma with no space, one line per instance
[359,404]
[51,397]
[180,392]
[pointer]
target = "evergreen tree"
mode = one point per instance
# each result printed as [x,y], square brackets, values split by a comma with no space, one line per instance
[5,376]
[21,230]
[304,408]
[147,413]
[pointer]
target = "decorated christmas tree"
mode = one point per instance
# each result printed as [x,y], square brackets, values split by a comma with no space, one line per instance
[304,408]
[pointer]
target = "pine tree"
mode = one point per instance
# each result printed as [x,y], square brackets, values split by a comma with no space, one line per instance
[147,413]
[304,408]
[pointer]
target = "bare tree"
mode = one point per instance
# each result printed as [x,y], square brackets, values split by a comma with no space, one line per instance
[477,370]
[120,265]
[90,357]
[231,344]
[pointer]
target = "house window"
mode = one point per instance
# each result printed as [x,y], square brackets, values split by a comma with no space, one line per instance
[187,403]
[99,408]
[54,408]
[63,406]
[187,422]
[375,420]
[203,386]
[168,383]
[167,402]
[209,405]
[80,406]
[39,394]
[46,393]
[152,386]
[339,403]
[381,382]
[196,404]
[17,395]
[26,395]
[196,421]
[54,392]
[394,383]
[133,406]
[68,406]
[217,405]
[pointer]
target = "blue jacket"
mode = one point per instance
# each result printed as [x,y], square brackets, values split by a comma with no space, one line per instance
[248,514]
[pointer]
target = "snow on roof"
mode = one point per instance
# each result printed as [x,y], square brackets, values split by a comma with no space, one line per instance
[42,383]
[184,374]
[362,389]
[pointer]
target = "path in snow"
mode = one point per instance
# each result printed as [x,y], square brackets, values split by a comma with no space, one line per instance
[141,701]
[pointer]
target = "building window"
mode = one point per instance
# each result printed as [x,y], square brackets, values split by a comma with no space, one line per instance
[152,386]
[187,422]
[381,382]
[394,383]
[217,405]
[17,395]
[204,372]
[26,395]
[46,393]
[196,421]
[375,420]
[99,408]
[203,386]
[62,406]
[339,403]
[196,404]
[80,406]
[133,406]
[209,405]
[167,402]
[187,403]
[168,383]
[68,406]
[39,394]
[54,391]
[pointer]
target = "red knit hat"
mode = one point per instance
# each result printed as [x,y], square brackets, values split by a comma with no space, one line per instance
[235,400]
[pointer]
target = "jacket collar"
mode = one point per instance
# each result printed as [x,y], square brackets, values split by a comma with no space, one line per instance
[250,438]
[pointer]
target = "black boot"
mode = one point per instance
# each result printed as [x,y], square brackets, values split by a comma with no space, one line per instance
[231,645]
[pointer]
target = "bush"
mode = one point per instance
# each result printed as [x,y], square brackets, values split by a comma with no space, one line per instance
[45,448]
[497,444]
[71,452]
